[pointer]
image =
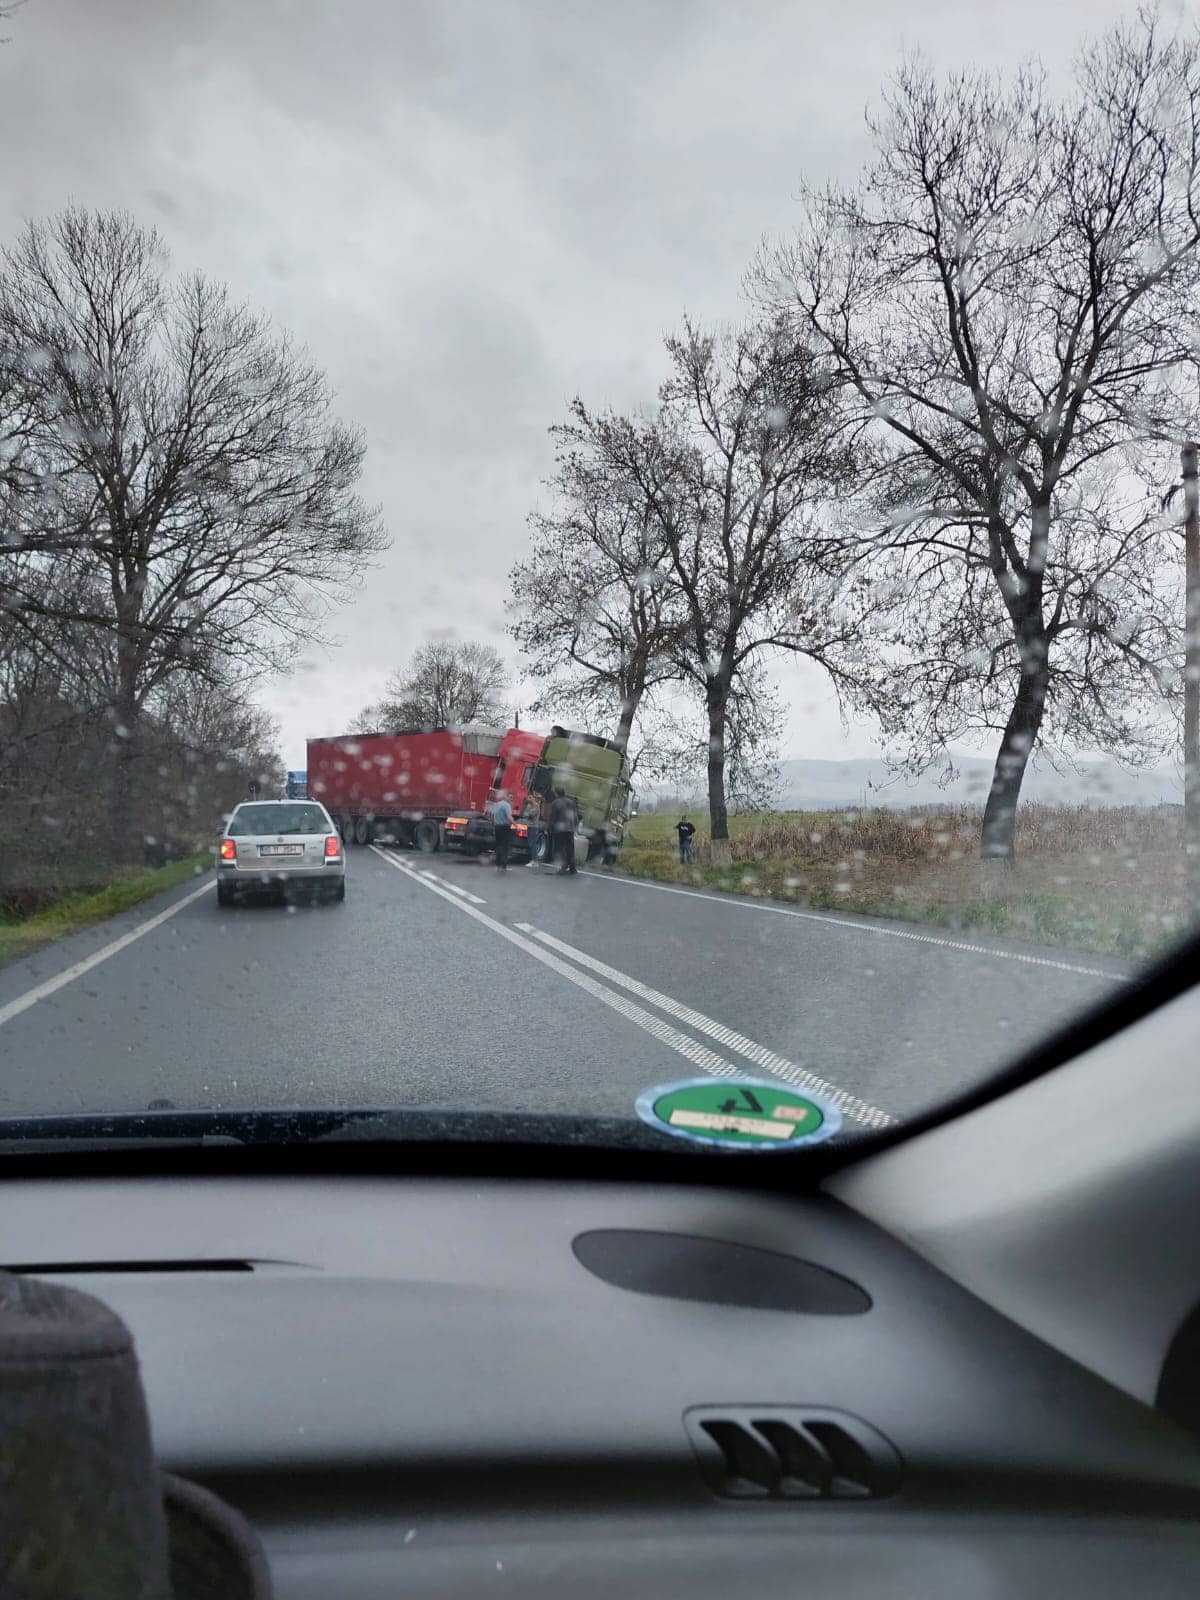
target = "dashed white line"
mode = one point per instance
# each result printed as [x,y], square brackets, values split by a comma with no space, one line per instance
[717,1066]
[700,1055]
[476,900]
[861,1110]
[31,997]
[831,919]
[453,887]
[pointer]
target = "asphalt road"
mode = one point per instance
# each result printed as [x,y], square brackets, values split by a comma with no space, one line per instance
[442,983]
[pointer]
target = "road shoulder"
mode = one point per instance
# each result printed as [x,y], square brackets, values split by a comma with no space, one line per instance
[72,940]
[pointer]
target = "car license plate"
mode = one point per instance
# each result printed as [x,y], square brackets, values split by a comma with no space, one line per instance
[281,849]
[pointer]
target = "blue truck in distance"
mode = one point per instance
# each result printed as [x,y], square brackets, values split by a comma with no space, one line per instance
[297,785]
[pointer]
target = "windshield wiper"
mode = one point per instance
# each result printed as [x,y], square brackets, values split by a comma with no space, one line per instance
[326,1125]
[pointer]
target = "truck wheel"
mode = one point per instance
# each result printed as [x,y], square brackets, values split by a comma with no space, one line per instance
[362,830]
[427,836]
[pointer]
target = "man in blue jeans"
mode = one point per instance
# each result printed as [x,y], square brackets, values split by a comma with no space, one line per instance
[685,830]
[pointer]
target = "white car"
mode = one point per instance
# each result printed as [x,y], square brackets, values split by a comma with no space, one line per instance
[280,846]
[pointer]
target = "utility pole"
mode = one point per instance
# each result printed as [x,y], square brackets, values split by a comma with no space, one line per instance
[1191,679]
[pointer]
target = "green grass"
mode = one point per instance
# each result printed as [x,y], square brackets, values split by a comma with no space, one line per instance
[657,828]
[21,936]
[1078,884]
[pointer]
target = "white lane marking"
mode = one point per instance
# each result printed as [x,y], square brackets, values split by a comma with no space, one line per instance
[779,1066]
[695,1052]
[831,919]
[31,997]
[713,1064]
[453,887]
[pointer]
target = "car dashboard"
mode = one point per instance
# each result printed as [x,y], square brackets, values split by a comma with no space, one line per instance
[431,1385]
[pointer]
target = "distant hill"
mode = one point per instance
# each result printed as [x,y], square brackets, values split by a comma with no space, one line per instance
[813,785]
[810,785]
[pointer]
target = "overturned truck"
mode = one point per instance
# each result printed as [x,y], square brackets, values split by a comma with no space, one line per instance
[432,788]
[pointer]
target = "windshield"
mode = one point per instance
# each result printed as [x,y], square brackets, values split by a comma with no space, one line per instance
[250,820]
[556,575]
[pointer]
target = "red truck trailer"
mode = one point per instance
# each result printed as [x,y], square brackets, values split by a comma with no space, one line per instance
[408,784]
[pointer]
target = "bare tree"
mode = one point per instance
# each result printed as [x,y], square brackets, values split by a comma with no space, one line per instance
[1110,603]
[1008,296]
[446,684]
[733,470]
[672,745]
[174,475]
[597,616]
[203,748]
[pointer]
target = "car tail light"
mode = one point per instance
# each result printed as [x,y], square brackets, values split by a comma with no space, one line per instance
[228,850]
[333,846]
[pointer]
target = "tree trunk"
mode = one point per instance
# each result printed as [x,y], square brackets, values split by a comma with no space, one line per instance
[629,711]
[1020,735]
[124,843]
[1191,684]
[718,815]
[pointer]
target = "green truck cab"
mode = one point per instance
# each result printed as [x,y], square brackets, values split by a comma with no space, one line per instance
[596,773]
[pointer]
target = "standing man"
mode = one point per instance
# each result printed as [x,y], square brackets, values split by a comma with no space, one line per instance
[531,811]
[563,817]
[502,823]
[685,830]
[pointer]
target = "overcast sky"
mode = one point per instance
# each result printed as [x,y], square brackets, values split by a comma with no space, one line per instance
[470,212]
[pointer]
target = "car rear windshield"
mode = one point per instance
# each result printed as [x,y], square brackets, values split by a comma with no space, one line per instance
[253,821]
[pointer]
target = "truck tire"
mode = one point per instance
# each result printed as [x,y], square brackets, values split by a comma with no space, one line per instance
[427,836]
[362,830]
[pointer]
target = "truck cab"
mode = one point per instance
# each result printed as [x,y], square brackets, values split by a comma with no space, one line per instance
[595,772]
[591,769]
[517,754]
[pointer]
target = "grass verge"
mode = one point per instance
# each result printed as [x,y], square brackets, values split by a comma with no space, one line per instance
[1078,885]
[22,936]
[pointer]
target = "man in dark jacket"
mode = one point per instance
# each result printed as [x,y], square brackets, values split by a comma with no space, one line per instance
[563,818]
[502,815]
[685,830]
[532,813]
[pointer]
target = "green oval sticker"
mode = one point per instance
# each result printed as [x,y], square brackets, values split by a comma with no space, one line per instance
[739,1113]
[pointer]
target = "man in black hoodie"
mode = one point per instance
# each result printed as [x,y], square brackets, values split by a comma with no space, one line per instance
[564,815]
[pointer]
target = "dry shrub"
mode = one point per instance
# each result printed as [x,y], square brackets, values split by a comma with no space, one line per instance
[952,833]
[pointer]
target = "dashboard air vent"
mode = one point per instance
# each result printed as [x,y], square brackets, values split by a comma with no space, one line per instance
[791,1453]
